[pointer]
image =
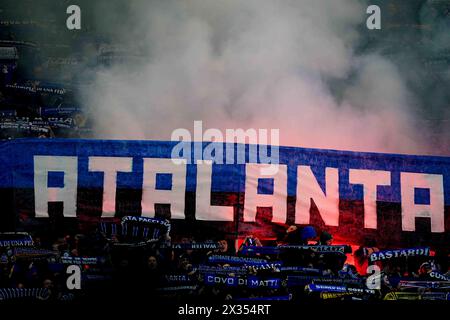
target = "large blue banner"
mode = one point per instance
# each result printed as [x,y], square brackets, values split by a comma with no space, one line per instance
[355,195]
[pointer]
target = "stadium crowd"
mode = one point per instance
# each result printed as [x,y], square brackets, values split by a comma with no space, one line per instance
[40,83]
[140,256]
[36,108]
[135,256]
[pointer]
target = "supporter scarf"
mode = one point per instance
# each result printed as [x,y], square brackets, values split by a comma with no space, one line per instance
[215,258]
[213,280]
[8,113]
[315,248]
[267,266]
[138,231]
[97,277]
[299,281]
[4,259]
[402,296]
[406,284]
[58,112]
[32,253]
[250,282]
[260,250]
[65,123]
[39,122]
[194,246]
[109,228]
[271,283]
[65,259]
[436,296]
[178,278]
[18,293]
[319,248]
[178,288]
[438,276]
[147,220]
[11,239]
[67,297]
[17,42]
[334,295]
[242,270]
[221,270]
[296,281]
[325,288]
[348,274]
[333,288]
[417,296]
[23,127]
[140,244]
[8,53]
[399,253]
[300,270]
[60,91]
[339,281]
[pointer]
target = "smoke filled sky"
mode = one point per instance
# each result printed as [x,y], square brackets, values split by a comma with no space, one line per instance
[309,68]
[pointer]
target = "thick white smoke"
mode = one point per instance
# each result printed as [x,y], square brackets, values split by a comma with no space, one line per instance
[254,64]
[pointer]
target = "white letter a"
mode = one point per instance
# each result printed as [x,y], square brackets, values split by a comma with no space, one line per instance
[74,280]
[74,20]
[373,21]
